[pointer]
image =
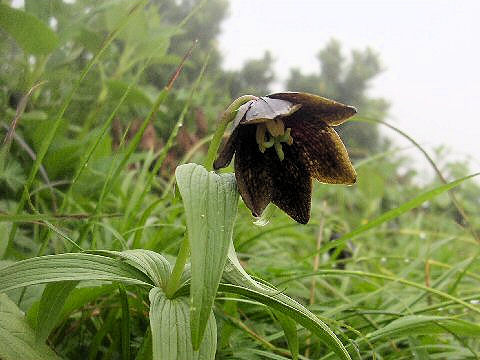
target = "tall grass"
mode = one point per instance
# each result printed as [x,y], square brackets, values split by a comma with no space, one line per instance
[391,267]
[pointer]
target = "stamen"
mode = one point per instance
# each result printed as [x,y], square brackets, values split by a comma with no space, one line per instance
[279,150]
[275,136]
[275,127]
[269,143]
[260,137]
[287,138]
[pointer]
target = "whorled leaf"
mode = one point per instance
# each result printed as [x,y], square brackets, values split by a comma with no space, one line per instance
[210,202]
[152,264]
[68,267]
[170,325]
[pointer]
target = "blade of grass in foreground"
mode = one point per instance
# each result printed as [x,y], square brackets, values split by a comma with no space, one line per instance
[455,202]
[364,275]
[162,154]
[115,173]
[86,156]
[394,213]
[58,120]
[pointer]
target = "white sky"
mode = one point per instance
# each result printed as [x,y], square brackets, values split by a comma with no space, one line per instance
[430,50]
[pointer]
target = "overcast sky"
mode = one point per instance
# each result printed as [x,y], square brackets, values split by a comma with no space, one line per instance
[430,50]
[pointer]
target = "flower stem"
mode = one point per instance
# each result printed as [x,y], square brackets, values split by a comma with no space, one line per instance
[227,116]
[174,280]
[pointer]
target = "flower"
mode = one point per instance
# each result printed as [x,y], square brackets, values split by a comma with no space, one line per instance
[282,141]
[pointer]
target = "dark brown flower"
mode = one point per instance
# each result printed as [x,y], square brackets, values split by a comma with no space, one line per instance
[282,141]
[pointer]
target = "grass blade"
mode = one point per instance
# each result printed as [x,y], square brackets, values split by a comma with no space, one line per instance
[394,213]
[58,120]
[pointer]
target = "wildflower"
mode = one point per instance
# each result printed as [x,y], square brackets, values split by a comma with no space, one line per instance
[282,141]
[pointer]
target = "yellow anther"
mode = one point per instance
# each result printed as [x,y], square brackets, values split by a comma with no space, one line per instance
[276,135]
[275,127]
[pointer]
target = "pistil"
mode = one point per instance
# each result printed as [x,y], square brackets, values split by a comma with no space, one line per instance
[275,136]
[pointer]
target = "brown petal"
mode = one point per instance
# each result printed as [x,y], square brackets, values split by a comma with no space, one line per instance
[322,151]
[317,107]
[227,152]
[292,184]
[252,171]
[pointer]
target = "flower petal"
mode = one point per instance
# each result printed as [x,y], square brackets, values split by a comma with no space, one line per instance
[322,151]
[264,109]
[292,184]
[317,107]
[241,111]
[252,171]
[227,152]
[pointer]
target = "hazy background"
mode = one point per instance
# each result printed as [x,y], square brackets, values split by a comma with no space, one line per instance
[429,51]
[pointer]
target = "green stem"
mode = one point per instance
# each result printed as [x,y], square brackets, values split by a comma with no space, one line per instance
[227,116]
[174,281]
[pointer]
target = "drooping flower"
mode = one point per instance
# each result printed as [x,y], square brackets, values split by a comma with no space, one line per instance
[282,141]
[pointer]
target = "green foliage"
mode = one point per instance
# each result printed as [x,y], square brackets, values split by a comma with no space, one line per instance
[29,32]
[210,202]
[17,337]
[170,323]
[92,228]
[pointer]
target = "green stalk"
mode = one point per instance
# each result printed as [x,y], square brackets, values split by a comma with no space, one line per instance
[226,118]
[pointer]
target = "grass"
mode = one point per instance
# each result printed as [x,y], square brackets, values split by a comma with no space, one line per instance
[390,266]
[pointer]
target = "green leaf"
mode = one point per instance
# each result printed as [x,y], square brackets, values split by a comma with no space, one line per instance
[136,96]
[31,34]
[392,214]
[77,298]
[290,329]
[68,267]
[145,352]
[170,324]
[210,202]
[17,338]
[4,229]
[125,323]
[152,264]
[50,307]
[425,325]
[248,287]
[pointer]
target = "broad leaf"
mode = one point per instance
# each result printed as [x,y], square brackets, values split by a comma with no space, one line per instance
[425,325]
[31,34]
[17,338]
[210,202]
[152,264]
[68,267]
[170,324]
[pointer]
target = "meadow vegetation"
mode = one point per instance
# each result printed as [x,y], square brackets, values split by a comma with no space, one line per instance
[101,102]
